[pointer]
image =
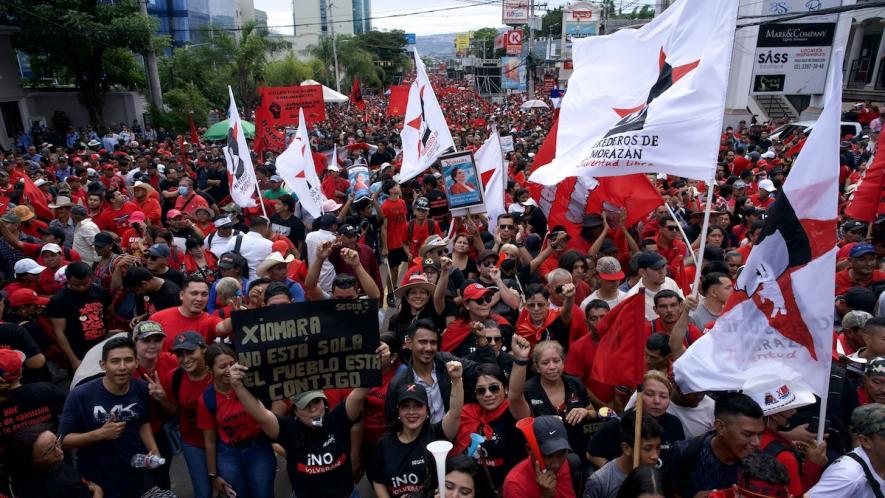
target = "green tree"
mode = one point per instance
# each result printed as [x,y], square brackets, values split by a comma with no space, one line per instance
[388,51]
[287,72]
[249,60]
[552,21]
[483,45]
[91,42]
[187,99]
[354,62]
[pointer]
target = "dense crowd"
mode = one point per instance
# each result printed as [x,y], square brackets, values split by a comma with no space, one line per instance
[118,292]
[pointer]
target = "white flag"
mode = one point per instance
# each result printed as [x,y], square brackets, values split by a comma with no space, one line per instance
[649,100]
[779,319]
[425,134]
[492,173]
[296,167]
[241,173]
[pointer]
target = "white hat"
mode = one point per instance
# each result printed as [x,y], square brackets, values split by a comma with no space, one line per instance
[28,265]
[767,185]
[333,167]
[40,182]
[529,202]
[51,248]
[769,154]
[329,205]
[221,222]
[774,395]
[272,260]
[61,202]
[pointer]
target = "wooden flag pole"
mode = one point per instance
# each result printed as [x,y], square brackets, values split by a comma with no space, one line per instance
[694,256]
[637,427]
[700,259]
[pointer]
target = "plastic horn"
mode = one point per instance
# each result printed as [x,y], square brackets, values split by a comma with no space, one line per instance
[475,441]
[440,449]
[527,425]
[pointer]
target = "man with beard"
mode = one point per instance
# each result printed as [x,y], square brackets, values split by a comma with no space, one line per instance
[192,315]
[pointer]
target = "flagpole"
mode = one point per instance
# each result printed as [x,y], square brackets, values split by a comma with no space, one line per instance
[261,201]
[694,256]
[822,415]
[637,427]
[700,259]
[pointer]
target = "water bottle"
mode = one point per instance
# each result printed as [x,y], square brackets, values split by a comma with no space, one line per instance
[142,461]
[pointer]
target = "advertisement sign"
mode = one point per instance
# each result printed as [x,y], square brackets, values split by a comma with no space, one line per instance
[792,58]
[513,74]
[786,7]
[579,20]
[292,348]
[515,12]
[463,188]
[462,43]
[410,39]
[514,42]
[500,41]
[549,83]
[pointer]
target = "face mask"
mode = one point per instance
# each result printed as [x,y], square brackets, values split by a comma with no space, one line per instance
[182,190]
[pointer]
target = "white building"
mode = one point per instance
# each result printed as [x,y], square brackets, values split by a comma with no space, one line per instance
[316,18]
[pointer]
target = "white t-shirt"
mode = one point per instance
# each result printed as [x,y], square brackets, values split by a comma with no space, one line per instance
[695,421]
[669,284]
[254,248]
[611,303]
[845,478]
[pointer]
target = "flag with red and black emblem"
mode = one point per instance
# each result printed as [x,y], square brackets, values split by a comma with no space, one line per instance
[656,96]
[780,316]
[356,96]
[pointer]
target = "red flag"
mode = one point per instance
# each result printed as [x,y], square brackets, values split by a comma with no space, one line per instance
[195,138]
[37,200]
[622,345]
[356,95]
[868,201]
[398,100]
[633,192]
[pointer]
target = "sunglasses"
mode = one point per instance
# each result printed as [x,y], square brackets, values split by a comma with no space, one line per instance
[672,228]
[493,388]
[488,262]
[495,339]
[154,258]
[505,227]
[442,252]
[483,300]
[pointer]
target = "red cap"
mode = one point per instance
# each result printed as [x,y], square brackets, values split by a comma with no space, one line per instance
[107,166]
[136,217]
[24,296]
[173,213]
[78,159]
[280,246]
[94,157]
[11,362]
[475,291]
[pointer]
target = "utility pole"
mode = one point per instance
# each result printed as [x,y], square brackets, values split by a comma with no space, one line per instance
[530,64]
[150,62]
[334,45]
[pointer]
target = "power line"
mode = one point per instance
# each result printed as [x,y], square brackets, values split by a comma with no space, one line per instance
[770,18]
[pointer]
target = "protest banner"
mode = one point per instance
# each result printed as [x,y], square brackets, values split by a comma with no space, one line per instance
[292,348]
[507,143]
[359,180]
[462,183]
[282,104]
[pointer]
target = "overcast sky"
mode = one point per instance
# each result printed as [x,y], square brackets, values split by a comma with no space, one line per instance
[464,18]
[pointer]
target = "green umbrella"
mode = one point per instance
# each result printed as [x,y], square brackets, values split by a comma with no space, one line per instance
[218,131]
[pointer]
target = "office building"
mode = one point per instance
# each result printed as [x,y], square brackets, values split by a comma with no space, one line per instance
[316,18]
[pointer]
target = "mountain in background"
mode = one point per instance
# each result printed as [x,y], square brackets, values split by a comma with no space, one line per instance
[436,45]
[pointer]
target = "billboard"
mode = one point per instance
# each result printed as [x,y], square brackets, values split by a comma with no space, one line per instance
[514,42]
[462,43]
[513,73]
[515,12]
[579,20]
[792,58]
[410,38]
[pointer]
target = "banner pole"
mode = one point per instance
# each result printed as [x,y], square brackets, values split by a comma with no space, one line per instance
[637,427]
[822,415]
[261,201]
[700,259]
[694,256]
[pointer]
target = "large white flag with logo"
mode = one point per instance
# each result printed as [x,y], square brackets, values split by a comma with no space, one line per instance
[649,100]
[425,134]
[779,319]
[241,173]
[492,173]
[296,167]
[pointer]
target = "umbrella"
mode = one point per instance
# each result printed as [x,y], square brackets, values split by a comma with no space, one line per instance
[218,131]
[534,104]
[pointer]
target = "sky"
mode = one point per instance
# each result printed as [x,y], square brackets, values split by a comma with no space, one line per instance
[462,18]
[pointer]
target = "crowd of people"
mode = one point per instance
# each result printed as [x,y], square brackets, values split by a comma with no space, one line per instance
[122,258]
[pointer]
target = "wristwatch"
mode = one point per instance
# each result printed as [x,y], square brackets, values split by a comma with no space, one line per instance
[212,476]
[522,363]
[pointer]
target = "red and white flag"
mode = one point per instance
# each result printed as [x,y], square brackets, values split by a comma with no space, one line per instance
[356,96]
[425,134]
[780,317]
[656,96]
[296,166]
[241,173]
[492,174]
[868,200]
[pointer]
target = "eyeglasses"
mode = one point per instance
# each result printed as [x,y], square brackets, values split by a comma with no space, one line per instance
[505,227]
[488,262]
[154,258]
[672,228]
[495,338]
[55,447]
[442,252]
[493,388]
[482,300]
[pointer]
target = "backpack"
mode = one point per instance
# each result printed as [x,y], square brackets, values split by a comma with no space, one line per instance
[177,377]
[688,458]
[776,447]
[431,225]
[209,399]
[871,479]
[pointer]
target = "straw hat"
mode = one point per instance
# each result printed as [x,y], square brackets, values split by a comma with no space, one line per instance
[416,280]
[272,260]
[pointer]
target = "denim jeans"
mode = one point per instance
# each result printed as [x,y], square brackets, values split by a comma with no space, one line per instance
[250,470]
[196,466]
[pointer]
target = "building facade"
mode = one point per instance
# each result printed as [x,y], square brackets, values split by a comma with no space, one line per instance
[184,20]
[314,19]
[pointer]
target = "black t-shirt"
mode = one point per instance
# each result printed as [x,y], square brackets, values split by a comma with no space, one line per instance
[29,405]
[439,206]
[292,227]
[318,460]
[83,314]
[174,276]
[606,443]
[62,481]
[14,336]
[379,158]
[221,190]
[557,331]
[404,468]
[166,296]
[575,397]
[503,451]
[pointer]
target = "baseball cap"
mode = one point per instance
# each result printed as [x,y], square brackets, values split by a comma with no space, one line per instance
[159,250]
[422,203]
[412,391]
[173,213]
[855,319]
[853,225]
[430,263]
[223,222]
[767,185]
[79,210]
[147,328]
[28,265]
[486,254]
[739,184]
[188,341]
[609,268]
[651,260]
[550,433]
[592,220]
[275,179]
[869,419]
[227,261]
[25,296]
[10,217]
[102,239]
[875,367]
[11,362]
[51,248]
[301,400]
[475,291]
[136,217]
[348,230]
[328,221]
[862,249]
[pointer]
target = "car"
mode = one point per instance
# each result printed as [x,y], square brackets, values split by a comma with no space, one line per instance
[846,128]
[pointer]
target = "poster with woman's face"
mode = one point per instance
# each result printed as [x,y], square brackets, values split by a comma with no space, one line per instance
[463,186]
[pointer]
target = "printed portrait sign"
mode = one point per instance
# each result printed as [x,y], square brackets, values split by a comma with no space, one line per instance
[463,187]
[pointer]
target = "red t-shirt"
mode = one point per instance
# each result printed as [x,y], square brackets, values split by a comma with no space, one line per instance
[845,282]
[691,335]
[579,362]
[189,206]
[397,228]
[174,324]
[152,211]
[420,233]
[189,395]
[760,203]
[231,422]
[166,362]
[33,227]
[520,482]
[115,220]
[801,479]
[131,241]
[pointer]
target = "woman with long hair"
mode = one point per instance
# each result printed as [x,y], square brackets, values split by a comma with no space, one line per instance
[644,481]
[239,456]
[491,418]
[199,262]
[35,464]
[401,464]
[476,306]
[417,301]
[461,255]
